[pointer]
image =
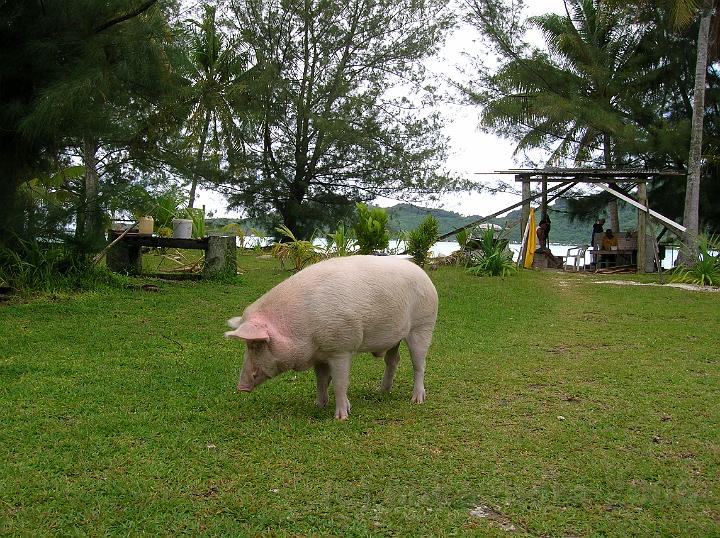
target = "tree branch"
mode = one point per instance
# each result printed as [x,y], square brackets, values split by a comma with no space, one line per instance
[122,18]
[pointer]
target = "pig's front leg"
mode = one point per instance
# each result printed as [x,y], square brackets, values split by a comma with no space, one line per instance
[322,376]
[419,342]
[340,372]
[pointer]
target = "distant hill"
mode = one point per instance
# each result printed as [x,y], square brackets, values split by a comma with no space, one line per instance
[405,217]
[563,230]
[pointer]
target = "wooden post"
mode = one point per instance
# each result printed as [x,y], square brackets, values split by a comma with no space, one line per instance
[642,253]
[525,205]
[544,212]
[221,255]
[124,257]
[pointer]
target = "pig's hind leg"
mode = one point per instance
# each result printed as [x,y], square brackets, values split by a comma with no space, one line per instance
[340,373]
[392,358]
[419,341]
[322,376]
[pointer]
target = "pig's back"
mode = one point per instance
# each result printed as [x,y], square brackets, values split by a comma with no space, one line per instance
[356,302]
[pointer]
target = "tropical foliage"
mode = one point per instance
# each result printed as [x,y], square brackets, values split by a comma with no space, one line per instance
[371,229]
[213,95]
[297,252]
[421,239]
[705,271]
[613,86]
[341,242]
[490,256]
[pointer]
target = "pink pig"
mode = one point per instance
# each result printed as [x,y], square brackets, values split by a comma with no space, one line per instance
[322,316]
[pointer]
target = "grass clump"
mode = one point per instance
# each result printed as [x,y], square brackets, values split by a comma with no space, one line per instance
[298,253]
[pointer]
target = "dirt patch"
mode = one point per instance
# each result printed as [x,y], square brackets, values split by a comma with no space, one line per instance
[688,287]
[484,511]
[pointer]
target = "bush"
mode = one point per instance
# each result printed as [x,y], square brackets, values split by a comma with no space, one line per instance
[491,257]
[421,239]
[462,238]
[371,229]
[341,243]
[30,267]
[299,253]
[706,272]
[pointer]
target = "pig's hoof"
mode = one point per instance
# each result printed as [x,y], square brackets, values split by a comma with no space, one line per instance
[343,412]
[418,397]
[321,402]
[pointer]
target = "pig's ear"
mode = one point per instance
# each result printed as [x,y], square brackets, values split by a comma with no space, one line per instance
[249,331]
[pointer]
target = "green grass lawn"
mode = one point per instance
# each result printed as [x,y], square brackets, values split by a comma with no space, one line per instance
[560,406]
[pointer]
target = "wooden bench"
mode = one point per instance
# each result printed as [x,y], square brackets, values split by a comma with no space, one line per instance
[126,255]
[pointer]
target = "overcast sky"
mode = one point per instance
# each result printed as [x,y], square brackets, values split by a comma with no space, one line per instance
[471,151]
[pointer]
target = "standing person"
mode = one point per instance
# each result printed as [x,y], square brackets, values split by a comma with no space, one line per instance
[543,232]
[598,228]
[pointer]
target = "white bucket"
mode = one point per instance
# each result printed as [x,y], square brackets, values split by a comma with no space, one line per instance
[182,228]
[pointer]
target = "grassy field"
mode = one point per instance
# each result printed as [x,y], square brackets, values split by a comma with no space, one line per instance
[556,407]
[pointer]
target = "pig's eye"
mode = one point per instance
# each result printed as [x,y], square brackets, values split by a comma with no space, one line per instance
[255,345]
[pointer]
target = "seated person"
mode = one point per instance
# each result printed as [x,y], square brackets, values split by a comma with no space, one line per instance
[608,241]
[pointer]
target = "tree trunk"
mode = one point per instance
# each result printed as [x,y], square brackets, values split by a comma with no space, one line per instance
[200,155]
[689,252]
[612,206]
[90,216]
[10,221]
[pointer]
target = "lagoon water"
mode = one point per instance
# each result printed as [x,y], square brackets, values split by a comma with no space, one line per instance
[443,248]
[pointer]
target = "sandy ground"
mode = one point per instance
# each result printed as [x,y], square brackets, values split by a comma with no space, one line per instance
[689,287]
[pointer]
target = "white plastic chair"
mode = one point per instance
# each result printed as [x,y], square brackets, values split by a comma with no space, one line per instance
[577,256]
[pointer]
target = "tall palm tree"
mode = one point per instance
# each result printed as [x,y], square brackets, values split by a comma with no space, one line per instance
[687,9]
[683,13]
[214,71]
[574,99]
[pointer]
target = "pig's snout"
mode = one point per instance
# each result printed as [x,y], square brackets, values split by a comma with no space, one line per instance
[243,388]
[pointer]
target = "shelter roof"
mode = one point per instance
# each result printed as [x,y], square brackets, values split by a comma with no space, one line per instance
[590,175]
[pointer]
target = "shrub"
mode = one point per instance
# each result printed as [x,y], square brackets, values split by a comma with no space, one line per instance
[371,229]
[341,242]
[706,272]
[421,239]
[491,257]
[300,253]
[233,228]
[30,267]
[462,238]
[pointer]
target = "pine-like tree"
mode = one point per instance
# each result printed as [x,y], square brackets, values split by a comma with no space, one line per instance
[338,120]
